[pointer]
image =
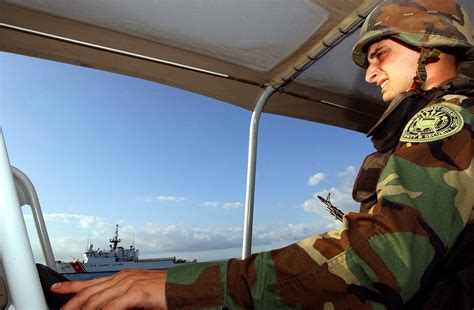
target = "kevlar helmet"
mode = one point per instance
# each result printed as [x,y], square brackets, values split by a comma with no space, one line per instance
[423,24]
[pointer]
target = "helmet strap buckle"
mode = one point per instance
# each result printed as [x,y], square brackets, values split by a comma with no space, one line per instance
[427,56]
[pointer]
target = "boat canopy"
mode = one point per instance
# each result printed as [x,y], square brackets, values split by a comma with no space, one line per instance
[296,54]
[227,50]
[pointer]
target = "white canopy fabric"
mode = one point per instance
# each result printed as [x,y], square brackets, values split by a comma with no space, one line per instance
[245,44]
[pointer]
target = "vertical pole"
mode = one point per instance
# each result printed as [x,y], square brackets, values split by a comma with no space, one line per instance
[251,167]
[15,251]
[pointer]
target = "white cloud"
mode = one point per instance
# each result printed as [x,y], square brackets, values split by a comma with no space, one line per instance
[161,198]
[341,196]
[348,176]
[210,204]
[171,198]
[93,222]
[67,248]
[317,178]
[83,221]
[283,233]
[233,205]
[80,228]
[154,238]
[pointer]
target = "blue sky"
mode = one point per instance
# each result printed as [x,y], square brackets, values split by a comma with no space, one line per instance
[169,166]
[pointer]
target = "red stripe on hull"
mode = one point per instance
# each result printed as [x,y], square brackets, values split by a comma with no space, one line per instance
[77,267]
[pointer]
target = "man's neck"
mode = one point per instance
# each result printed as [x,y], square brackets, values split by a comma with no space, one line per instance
[441,71]
[438,81]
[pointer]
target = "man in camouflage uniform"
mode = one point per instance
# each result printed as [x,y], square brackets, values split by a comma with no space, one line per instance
[416,191]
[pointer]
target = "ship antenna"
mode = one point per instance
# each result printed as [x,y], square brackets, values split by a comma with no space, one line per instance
[115,240]
[88,239]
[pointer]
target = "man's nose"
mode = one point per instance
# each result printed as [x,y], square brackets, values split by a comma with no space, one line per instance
[371,74]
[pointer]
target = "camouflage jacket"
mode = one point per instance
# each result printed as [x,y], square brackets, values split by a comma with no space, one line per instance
[425,197]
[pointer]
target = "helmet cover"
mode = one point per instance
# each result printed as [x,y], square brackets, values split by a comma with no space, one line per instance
[419,23]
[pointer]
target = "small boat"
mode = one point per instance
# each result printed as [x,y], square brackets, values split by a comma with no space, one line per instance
[116,259]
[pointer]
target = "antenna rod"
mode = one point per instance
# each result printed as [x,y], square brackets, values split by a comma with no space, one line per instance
[334,211]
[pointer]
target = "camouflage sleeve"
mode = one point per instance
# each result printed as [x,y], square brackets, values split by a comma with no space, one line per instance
[375,261]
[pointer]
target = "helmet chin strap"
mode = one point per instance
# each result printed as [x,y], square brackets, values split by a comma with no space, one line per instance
[427,55]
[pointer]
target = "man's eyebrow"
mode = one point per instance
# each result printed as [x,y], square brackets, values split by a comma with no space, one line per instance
[372,54]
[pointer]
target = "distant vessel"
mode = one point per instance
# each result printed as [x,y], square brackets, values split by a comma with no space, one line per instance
[116,259]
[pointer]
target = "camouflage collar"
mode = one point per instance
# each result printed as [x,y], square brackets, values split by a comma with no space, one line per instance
[459,84]
[391,107]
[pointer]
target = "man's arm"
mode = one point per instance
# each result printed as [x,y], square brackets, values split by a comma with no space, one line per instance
[425,199]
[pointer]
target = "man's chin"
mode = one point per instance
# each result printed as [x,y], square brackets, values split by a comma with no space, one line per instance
[389,95]
[387,98]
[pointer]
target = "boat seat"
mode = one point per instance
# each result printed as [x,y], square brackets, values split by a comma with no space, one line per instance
[48,277]
[3,294]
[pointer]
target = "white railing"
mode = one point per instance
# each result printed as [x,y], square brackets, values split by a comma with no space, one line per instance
[27,196]
[16,256]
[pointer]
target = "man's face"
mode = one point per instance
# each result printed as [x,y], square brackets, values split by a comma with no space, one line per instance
[392,67]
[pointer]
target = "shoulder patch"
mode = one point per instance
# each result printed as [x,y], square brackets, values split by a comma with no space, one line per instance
[432,123]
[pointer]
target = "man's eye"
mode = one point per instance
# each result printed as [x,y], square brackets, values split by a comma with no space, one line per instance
[379,54]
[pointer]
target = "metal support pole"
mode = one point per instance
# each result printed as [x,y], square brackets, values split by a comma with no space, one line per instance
[251,167]
[15,251]
[27,195]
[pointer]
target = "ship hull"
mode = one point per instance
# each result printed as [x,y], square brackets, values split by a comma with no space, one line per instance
[78,267]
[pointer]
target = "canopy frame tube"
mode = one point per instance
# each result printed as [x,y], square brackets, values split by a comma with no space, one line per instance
[28,196]
[16,256]
[251,168]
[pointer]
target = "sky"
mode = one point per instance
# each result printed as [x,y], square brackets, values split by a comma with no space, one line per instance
[167,165]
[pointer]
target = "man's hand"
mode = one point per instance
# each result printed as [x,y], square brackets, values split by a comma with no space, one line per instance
[131,288]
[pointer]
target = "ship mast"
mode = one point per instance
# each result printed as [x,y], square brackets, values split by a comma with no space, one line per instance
[115,240]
